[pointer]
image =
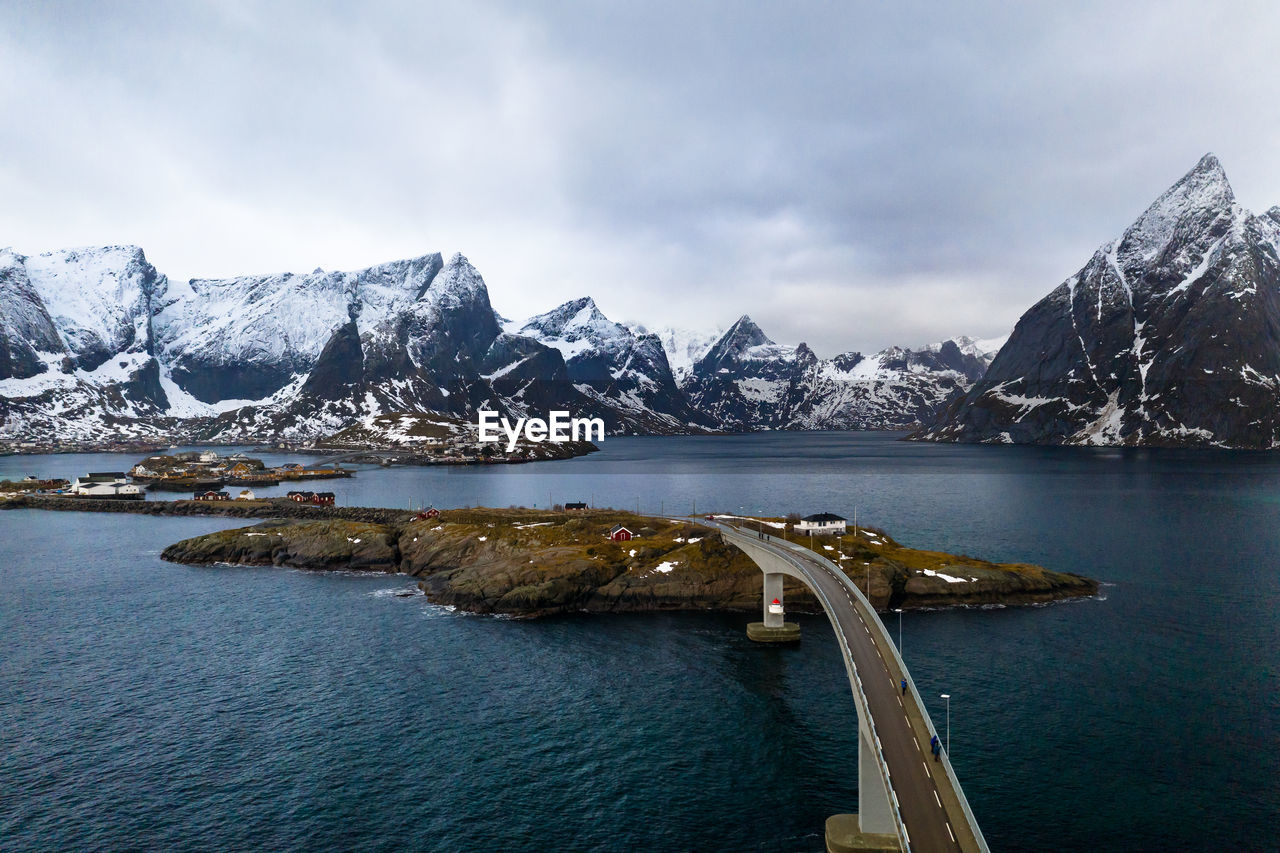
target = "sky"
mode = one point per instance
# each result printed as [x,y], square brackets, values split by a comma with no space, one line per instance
[852,175]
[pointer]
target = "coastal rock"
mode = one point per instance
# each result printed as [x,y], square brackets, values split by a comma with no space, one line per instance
[325,545]
[707,575]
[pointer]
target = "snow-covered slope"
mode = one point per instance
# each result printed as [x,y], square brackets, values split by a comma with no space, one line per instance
[248,337]
[1169,335]
[27,333]
[684,347]
[100,300]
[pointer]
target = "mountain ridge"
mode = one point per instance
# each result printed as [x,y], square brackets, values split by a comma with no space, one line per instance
[127,353]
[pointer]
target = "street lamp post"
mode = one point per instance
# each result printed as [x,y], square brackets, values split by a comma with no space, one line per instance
[898,610]
[947,696]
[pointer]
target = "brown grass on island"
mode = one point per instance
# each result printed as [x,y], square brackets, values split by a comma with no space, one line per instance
[534,562]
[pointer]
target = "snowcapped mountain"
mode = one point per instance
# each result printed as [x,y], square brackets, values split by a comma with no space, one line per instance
[1169,335]
[747,381]
[684,347]
[984,350]
[625,372]
[96,345]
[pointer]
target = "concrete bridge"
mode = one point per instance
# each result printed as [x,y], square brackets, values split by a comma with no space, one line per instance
[906,800]
[336,457]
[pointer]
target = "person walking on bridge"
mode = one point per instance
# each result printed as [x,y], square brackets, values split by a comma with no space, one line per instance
[904,687]
[936,746]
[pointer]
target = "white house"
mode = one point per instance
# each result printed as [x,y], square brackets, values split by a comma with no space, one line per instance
[111,484]
[208,456]
[245,495]
[822,524]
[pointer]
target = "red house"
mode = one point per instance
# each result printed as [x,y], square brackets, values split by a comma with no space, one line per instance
[313,498]
[620,534]
[427,514]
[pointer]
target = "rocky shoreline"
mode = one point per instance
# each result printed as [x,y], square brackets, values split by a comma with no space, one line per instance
[528,563]
[273,508]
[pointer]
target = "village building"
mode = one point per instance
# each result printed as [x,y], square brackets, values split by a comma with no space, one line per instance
[313,498]
[246,495]
[212,496]
[110,484]
[208,456]
[575,506]
[620,534]
[822,524]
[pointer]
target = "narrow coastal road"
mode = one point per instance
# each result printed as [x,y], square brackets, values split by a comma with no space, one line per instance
[926,798]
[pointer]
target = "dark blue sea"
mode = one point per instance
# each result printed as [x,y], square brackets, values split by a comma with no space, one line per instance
[151,706]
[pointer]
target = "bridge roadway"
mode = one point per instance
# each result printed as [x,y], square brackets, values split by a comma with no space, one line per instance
[927,799]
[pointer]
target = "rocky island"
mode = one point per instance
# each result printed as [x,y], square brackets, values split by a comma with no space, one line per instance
[533,563]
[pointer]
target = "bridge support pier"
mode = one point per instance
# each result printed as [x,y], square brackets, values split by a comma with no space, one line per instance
[873,827]
[844,836]
[774,628]
[875,814]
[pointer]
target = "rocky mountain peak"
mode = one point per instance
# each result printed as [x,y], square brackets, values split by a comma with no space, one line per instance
[1201,205]
[735,345]
[745,333]
[577,319]
[458,282]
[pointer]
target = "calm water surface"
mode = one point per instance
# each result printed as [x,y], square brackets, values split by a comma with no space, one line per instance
[145,705]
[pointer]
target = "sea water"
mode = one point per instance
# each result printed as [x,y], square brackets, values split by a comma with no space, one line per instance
[145,705]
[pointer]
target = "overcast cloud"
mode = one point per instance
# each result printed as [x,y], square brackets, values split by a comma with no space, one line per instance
[851,175]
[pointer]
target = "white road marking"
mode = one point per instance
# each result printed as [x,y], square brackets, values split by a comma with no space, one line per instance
[949,832]
[935,796]
[926,767]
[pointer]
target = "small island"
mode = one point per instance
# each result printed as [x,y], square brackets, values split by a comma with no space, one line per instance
[417,438]
[202,469]
[531,563]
